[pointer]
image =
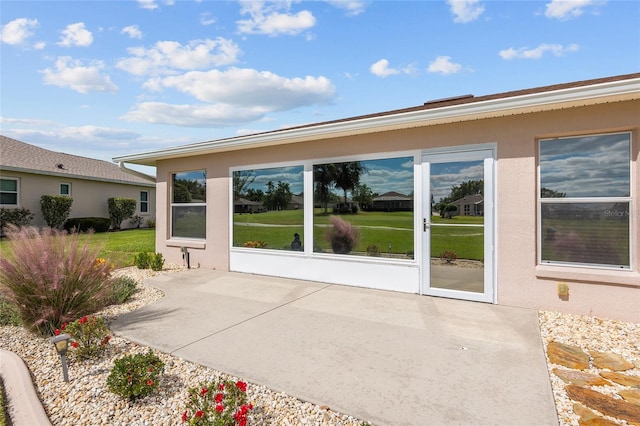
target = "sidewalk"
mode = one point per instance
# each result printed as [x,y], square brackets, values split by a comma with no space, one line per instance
[390,358]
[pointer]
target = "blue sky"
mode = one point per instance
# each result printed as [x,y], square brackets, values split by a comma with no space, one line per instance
[107,78]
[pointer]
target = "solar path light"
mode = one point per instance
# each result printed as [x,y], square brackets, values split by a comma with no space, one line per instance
[61,343]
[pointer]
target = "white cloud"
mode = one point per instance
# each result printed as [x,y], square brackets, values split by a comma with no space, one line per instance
[353,7]
[250,88]
[207,19]
[567,9]
[147,4]
[382,69]
[132,31]
[76,35]
[18,31]
[266,18]
[465,10]
[231,97]
[165,57]
[39,45]
[443,65]
[74,75]
[203,115]
[537,52]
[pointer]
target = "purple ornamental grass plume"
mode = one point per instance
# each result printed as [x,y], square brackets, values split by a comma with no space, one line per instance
[52,277]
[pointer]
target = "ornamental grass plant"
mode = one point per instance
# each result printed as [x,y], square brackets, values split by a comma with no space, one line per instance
[52,278]
[342,235]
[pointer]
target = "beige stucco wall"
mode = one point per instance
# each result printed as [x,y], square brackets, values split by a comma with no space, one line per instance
[89,197]
[520,281]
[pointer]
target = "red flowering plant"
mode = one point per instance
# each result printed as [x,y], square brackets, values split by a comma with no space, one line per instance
[90,336]
[220,403]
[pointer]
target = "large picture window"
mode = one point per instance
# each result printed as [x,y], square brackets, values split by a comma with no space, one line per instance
[8,192]
[189,204]
[585,200]
[364,208]
[268,208]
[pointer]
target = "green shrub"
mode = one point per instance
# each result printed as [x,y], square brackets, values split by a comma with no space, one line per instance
[136,220]
[373,250]
[83,224]
[120,209]
[156,262]
[142,260]
[448,256]
[151,223]
[90,336]
[8,313]
[55,209]
[52,278]
[17,217]
[122,288]
[134,376]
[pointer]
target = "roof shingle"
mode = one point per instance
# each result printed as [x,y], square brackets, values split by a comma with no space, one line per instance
[22,157]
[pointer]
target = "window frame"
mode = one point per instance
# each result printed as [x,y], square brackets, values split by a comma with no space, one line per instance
[17,191]
[144,202]
[540,201]
[68,184]
[172,205]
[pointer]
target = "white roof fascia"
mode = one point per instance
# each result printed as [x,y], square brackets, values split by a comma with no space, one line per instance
[581,95]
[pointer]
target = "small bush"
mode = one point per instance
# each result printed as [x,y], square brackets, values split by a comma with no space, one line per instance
[218,403]
[151,223]
[120,209]
[122,288]
[9,313]
[84,224]
[135,376]
[373,250]
[52,278]
[136,220]
[448,256]
[342,236]
[17,217]
[255,244]
[156,262]
[55,209]
[90,336]
[142,260]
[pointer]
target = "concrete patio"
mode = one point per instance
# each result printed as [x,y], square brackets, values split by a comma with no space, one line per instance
[385,357]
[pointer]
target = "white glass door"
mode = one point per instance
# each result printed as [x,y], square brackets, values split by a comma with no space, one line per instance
[458,231]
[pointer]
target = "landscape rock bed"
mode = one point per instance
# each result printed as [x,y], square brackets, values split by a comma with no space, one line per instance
[606,350]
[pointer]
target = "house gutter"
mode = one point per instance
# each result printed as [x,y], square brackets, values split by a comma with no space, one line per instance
[612,91]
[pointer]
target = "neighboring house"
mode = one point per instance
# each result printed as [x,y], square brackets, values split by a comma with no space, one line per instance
[391,202]
[28,172]
[242,205]
[578,141]
[469,205]
[297,202]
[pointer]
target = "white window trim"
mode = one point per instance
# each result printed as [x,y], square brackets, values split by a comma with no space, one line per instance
[540,201]
[172,205]
[60,188]
[17,192]
[145,202]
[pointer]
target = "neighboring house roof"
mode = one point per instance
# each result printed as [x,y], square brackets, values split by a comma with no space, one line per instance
[297,199]
[245,202]
[470,199]
[442,111]
[22,157]
[392,196]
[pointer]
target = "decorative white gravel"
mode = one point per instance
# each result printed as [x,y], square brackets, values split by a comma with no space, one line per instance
[85,400]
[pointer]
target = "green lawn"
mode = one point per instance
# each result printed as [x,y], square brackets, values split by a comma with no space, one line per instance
[118,247]
[391,232]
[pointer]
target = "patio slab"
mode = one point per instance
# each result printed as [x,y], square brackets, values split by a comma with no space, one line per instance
[385,357]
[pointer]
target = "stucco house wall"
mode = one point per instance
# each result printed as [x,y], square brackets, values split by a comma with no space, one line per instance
[520,280]
[91,182]
[89,197]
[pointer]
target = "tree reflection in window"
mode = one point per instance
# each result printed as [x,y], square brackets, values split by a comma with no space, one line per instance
[370,201]
[268,208]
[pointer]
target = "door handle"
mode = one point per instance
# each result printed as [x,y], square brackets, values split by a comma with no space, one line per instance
[425,225]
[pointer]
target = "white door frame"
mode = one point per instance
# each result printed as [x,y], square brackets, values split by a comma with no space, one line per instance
[487,153]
